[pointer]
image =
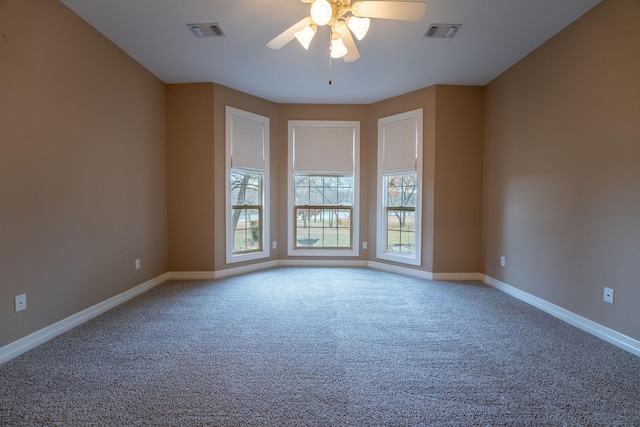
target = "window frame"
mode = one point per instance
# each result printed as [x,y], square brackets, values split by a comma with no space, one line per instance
[264,251]
[383,207]
[292,248]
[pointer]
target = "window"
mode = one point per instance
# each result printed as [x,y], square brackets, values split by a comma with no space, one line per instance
[400,206]
[323,211]
[399,187]
[247,154]
[246,211]
[323,188]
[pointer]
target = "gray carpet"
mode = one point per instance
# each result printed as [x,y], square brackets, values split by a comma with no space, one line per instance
[322,346]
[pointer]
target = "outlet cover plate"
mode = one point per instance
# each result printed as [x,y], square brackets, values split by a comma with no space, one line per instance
[21,302]
[608,295]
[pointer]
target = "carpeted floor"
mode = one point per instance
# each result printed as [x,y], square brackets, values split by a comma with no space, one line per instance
[322,346]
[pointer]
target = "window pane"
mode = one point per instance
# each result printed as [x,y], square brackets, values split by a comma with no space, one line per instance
[302,190]
[401,190]
[246,222]
[246,188]
[323,228]
[345,191]
[323,190]
[400,231]
[330,191]
[246,230]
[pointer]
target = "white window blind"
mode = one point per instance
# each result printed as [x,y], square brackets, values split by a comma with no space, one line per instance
[399,144]
[247,137]
[323,149]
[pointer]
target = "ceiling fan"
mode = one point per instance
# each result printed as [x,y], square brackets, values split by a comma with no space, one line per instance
[345,18]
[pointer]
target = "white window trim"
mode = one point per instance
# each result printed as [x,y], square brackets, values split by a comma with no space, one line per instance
[381,235]
[265,252]
[355,250]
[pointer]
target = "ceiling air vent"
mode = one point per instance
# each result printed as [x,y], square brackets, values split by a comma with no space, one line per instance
[206,30]
[442,31]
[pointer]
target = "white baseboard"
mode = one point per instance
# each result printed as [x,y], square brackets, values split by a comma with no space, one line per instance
[616,338]
[33,340]
[25,344]
[391,268]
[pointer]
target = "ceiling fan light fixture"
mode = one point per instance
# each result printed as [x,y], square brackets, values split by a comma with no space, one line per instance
[359,26]
[305,35]
[338,49]
[321,12]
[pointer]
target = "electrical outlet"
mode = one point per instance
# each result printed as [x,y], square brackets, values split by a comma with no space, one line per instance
[503,261]
[274,245]
[608,295]
[364,245]
[137,263]
[21,302]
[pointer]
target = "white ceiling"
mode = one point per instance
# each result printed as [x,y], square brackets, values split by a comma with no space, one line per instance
[394,56]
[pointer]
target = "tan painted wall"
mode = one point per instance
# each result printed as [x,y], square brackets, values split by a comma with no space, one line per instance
[457,236]
[190,187]
[82,167]
[226,96]
[562,169]
[452,175]
[425,99]
[324,112]
[196,186]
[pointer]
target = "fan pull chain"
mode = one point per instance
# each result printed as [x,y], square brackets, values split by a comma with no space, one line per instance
[330,69]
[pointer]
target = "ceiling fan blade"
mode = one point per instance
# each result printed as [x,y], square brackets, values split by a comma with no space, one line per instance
[401,10]
[350,44]
[289,34]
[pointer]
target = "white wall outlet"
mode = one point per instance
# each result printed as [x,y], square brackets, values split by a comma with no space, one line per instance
[21,302]
[274,245]
[503,261]
[608,295]
[364,245]
[137,263]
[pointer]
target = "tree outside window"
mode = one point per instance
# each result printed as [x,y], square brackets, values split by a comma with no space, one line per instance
[400,212]
[323,211]
[246,218]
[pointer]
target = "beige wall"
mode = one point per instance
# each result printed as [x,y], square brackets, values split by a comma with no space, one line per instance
[457,239]
[196,161]
[82,167]
[452,175]
[101,164]
[562,169]
[226,96]
[196,186]
[425,99]
[190,188]
[323,112]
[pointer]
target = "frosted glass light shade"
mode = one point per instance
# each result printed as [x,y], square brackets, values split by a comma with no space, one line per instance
[359,26]
[305,36]
[321,12]
[338,49]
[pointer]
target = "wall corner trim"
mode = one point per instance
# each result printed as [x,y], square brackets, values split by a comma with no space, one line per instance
[33,340]
[609,335]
